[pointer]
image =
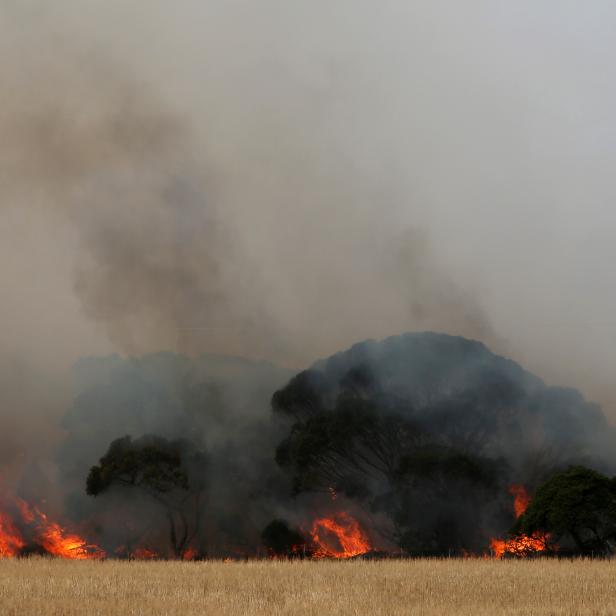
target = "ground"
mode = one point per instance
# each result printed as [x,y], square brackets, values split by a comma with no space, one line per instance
[463,587]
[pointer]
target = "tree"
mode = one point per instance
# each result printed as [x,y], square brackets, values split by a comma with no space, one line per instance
[371,446]
[168,472]
[437,503]
[431,429]
[343,447]
[577,504]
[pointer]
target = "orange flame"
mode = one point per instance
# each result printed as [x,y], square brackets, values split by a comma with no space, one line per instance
[339,537]
[54,539]
[190,554]
[50,536]
[522,545]
[521,499]
[11,541]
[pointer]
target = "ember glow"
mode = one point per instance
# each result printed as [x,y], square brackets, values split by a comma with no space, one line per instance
[30,528]
[339,536]
[190,554]
[144,554]
[521,545]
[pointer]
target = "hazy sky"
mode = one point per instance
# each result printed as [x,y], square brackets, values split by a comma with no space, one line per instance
[281,179]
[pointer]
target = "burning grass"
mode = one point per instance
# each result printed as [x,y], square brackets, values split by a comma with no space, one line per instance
[339,536]
[30,529]
[47,587]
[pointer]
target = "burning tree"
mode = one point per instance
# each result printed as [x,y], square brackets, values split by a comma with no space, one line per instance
[169,472]
[430,429]
[438,497]
[577,504]
[520,545]
[375,447]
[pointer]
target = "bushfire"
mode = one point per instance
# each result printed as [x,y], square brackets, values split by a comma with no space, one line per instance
[29,530]
[521,545]
[339,536]
[25,529]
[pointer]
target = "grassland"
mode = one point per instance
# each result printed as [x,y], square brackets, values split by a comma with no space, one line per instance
[52,587]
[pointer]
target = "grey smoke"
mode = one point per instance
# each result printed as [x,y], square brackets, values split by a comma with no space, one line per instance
[220,405]
[279,180]
[167,251]
[453,394]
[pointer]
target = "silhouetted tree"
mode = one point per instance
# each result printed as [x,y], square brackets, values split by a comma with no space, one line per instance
[371,446]
[168,472]
[339,448]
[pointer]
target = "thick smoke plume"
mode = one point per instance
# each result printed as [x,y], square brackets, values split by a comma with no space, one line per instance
[136,218]
[159,260]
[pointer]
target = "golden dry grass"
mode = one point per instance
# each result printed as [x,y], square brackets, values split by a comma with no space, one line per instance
[47,587]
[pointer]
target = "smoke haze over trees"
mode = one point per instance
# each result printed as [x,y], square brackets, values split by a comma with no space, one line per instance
[420,435]
[277,182]
[217,405]
[431,429]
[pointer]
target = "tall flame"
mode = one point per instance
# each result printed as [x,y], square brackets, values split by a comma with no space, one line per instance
[521,499]
[521,545]
[339,536]
[11,541]
[47,535]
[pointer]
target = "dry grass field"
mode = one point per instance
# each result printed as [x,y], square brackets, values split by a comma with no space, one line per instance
[473,587]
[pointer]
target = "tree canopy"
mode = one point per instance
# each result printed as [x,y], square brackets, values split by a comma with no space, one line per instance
[169,472]
[578,504]
[430,429]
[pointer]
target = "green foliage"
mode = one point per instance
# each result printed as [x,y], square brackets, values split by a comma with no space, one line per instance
[579,504]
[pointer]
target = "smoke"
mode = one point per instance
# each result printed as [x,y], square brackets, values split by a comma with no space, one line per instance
[431,429]
[145,208]
[278,181]
[166,250]
[281,181]
[419,436]
[92,145]
[218,405]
